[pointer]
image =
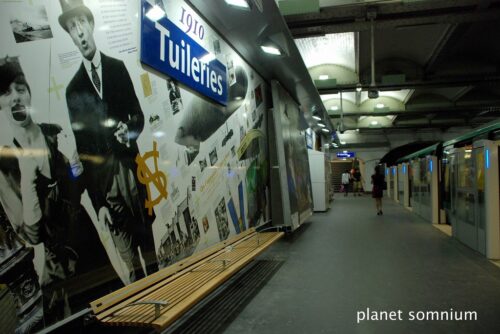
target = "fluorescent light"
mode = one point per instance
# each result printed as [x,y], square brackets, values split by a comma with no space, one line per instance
[109,123]
[380,105]
[317,118]
[155,13]
[334,108]
[323,77]
[321,125]
[271,50]
[373,122]
[207,58]
[238,3]
[325,130]
[343,142]
[158,134]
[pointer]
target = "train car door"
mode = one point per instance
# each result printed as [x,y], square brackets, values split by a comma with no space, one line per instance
[401,185]
[415,164]
[388,181]
[464,197]
[395,183]
[487,197]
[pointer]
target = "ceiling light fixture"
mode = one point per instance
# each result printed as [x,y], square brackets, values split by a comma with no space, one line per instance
[321,125]
[155,13]
[238,3]
[380,105]
[359,88]
[325,130]
[207,58]
[270,49]
[323,77]
[334,108]
[316,117]
[343,142]
[374,123]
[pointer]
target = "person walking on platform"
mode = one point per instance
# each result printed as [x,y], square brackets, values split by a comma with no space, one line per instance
[346,179]
[378,189]
[358,188]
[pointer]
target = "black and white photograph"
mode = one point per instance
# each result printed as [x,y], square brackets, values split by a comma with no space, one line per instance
[174,95]
[213,157]
[242,133]
[205,224]
[231,74]
[181,238]
[30,23]
[103,83]
[41,202]
[216,46]
[221,218]
[203,164]
[258,96]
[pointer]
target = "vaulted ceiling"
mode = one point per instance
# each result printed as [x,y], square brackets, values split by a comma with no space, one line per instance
[436,62]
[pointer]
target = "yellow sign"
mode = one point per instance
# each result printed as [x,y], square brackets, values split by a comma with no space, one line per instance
[146,177]
[247,140]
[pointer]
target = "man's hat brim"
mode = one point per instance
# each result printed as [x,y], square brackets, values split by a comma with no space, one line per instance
[73,12]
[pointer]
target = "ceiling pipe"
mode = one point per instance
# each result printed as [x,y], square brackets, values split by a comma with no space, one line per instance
[341,114]
[372,48]
[373,91]
[452,81]
[471,110]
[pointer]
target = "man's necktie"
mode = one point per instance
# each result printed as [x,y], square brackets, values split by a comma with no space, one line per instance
[95,77]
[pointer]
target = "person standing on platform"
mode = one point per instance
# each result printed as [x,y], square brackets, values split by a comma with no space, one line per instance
[358,188]
[378,181]
[107,119]
[346,180]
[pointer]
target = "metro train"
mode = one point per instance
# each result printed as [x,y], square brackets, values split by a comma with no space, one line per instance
[456,183]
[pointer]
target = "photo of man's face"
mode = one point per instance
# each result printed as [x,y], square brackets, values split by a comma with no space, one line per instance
[81,31]
[16,103]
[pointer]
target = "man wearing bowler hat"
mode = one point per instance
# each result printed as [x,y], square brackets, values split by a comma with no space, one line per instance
[107,120]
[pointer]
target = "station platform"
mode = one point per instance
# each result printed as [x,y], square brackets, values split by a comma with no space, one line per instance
[349,259]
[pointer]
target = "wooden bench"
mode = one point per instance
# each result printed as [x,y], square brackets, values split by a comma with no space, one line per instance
[159,299]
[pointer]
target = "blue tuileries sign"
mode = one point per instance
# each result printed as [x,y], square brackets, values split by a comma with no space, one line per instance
[166,48]
[346,155]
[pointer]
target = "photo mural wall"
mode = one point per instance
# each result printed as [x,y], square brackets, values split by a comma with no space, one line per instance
[290,141]
[109,169]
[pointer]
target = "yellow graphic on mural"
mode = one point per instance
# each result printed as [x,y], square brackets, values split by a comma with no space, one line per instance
[146,177]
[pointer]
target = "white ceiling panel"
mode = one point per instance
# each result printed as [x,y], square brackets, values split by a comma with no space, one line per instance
[335,49]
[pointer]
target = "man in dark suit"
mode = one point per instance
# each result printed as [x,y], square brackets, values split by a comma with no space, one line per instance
[107,120]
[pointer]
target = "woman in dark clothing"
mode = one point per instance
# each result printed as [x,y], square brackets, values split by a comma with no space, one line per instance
[378,189]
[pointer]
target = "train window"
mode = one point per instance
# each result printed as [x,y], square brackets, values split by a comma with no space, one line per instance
[465,173]
[480,169]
